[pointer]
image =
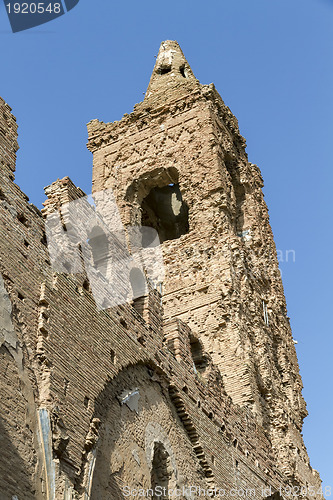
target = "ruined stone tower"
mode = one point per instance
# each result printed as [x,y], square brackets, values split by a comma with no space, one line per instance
[178,164]
[194,384]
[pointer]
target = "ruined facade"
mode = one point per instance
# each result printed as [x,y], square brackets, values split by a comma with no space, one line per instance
[194,382]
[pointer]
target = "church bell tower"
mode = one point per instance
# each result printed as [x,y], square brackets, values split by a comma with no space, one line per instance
[178,164]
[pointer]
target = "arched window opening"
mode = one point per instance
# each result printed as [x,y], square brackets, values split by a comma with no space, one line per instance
[164,210]
[183,71]
[99,245]
[198,356]
[139,289]
[164,69]
[138,283]
[161,471]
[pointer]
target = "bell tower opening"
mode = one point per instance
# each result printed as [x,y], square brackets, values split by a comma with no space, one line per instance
[164,210]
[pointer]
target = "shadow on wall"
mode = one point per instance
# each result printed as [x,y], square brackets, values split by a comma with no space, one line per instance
[14,471]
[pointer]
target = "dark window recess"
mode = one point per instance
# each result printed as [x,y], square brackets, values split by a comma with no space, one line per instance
[43,239]
[198,356]
[161,470]
[99,245]
[164,210]
[183,71]
[86,285]
[123,324]
[66,385]
[142,340]
[163,70]
[112,356]
[22,218]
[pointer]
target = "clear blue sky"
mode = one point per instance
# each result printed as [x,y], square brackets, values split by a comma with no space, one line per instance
[271,60]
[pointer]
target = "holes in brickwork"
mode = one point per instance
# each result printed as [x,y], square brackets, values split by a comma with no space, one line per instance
[142,340]
[185,389]
[183,71]
[210,415]
[237,464]
[43,239]
[20,296]
[45,315]
[235,443]
[23,219]
[163,70]
[43,332]
[165,210]
[265,313]
[123,323]
[26,243]
[197,352]
[66,385]
[112,356]
[86,285]
[2,195]
[86,402]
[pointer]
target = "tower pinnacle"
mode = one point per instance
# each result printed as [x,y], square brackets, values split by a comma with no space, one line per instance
[172,75]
